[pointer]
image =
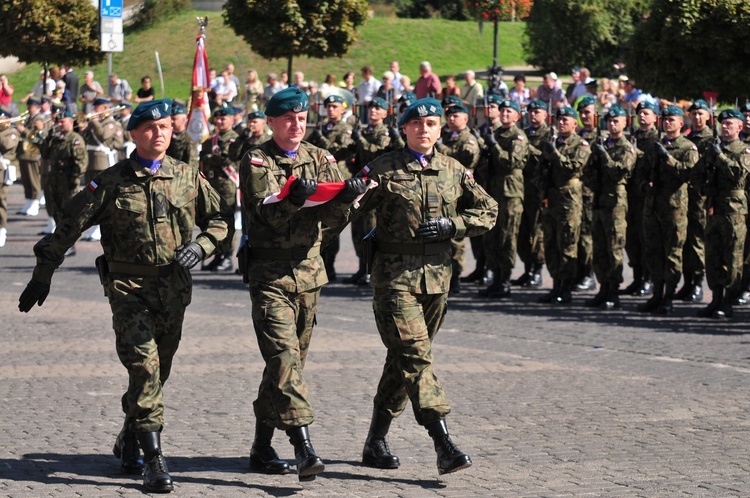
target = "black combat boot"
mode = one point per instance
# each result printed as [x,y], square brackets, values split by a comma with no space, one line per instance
[599,298]
[612,299]
[536,276]
[376,452]
[263,457]
[565,296]
[308,463]
[647,289]
[155,473]
[696,290]
[744,295]
[717,295]
[524,278]
[476,275]
[488,278]
[724,311]
[654,301]
[360,274]
[665,308]
[455,285]
[127,450]
[687,287]
[551,295]
[634,285]
[449,457]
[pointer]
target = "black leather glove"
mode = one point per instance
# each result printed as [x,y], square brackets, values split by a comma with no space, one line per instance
[600,151]
[315,135]
[549,148]
[353,188]
[301,190]
[393,133]
[34,293]
[189,255]
[476,133]
[489,139]
[436,229]
[661,152]
[714,151]
[356,135]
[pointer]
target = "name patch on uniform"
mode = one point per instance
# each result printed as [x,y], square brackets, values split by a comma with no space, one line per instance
[403,177]
[93,186]
[256,160]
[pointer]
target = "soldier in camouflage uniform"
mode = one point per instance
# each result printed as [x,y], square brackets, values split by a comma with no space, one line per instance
[560,169]
[644,138]
[367,144]
[530,238]
[721,175]
[65,151]
[147,207]
[180,146]
[286,272]
[422,200]
[334,135]
[664,180]
[218,160]
[127,146]
[607,173]
[459,143]
[587,110]
[9,139]
[508,150]
[693,252]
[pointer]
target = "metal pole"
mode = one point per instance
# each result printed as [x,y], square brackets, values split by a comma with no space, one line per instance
[161,75]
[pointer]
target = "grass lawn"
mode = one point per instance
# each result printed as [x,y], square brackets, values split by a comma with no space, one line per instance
[452,47]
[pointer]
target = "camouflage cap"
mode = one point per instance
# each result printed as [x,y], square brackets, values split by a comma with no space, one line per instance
[646,105]
[730,114]
[177,109]
[615,112]
[421,108]
[586,101]
[451,100]
[378,102]
[699,104]
[672,110]
[536,104]
[290,99]
[455,109]
[509,103]
[150,111]
[256,115]
[333,99]
[566,111]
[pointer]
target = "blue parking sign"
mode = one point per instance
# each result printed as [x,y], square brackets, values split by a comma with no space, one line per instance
[110,8]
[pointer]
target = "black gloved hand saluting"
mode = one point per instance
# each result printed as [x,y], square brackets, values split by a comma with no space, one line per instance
[301,190]
[489,139]
[189,255]
[661,152]
[353,188]
[34,293]
[549,148]
[436,229]
[600,151]
[356,135]
[393,133]
[714,151]
[315,135]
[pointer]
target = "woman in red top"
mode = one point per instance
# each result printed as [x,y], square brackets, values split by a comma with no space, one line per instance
[6,91]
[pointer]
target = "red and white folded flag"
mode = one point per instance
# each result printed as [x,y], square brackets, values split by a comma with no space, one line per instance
[326,191]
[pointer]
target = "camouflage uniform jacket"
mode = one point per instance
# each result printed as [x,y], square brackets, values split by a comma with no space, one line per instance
[461,146]
[609,177]
[703,140]
[180,146]
[645,141]
[565,164]
[249,142]
[590,136]
[537,137]
[724,178]
[219,152]
[66,153]
[507,161]
[143,217]
[373,143]
[407,195]
[337,137]
[106,132]
[669,177]
[282,225]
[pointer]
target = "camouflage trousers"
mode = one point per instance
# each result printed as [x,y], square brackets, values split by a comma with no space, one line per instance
[634,236]
[530,236]
[57,192]
[227,190]
[694,250]
[147,316]
[725,241]
[561,222]
[458,256]
[608,232]
[361,226]
[408,323]
[283,323]
[664,232]
[500,242]
[585,263]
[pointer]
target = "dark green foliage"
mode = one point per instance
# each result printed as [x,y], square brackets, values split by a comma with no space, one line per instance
[153,11]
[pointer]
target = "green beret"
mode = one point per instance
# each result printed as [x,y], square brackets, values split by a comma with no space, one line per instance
[566,111]
[536,104]
[421,108]
[178,109]
[745,107]
[378,102]
[615,112]
[494,98]
[699,104]
[672,110]
[510,103]
[68,114]
[408,96]
[256,115]
[150,111]
[333,99]
[223,111]
[586,101]
[238,110]
[289,99]
[646,105]
[730,114]
[451,100]
[455,109]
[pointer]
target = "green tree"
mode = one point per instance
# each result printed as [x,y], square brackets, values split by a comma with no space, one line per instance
[277,29]
[153,11]
[454,10]
[594,33]
[685,48]
[50,31]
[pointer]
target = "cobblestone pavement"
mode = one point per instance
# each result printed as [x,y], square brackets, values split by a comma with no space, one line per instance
[547,401]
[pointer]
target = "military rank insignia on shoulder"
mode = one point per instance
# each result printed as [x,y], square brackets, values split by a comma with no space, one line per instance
[256,161]
[330,158]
